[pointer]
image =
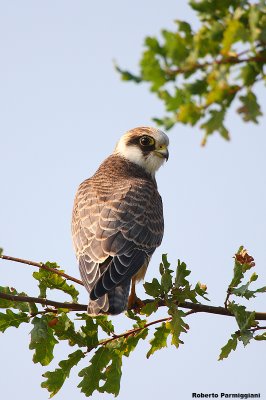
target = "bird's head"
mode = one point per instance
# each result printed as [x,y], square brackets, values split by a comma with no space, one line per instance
[144,146]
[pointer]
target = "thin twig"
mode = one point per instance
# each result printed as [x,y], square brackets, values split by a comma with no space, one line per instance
[225,60]
[41,266]
[227,298]
[46,311]
[258,328]
[133,331]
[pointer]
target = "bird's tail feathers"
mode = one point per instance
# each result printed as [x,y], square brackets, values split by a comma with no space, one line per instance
[114,302]
[99,306]
[118,298]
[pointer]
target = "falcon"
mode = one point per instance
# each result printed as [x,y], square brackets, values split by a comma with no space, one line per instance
[117,220]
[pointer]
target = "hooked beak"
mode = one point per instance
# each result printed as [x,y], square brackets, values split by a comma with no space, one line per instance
[162,152]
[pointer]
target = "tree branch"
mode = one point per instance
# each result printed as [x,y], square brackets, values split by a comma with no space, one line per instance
[44,302]
[196,307]
[225,60]
[41,266]
[133,331]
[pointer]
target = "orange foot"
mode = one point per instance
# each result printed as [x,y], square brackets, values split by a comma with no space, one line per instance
[134,303]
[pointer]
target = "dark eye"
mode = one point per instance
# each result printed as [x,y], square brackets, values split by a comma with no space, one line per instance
[146,141]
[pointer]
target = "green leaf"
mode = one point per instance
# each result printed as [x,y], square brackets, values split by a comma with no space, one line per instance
[254,17]
[249,73]
[89,330]
[160,339]
[165,262]
[22,306]
[246,337]
[230,345]
[199,86]
[106,325]
[196,74]
[208,9]
[132,341]
[167,122]
[10,318]
[151,70]
[175,46]
[173,102]
[1,251]
[42,341]
[166,282]
[238,275]
[113,374]
[215,123]
[149,308]
[64,329]
[127,76]
[189,113]
[181,273]
[185,27]
[250,110]
[182,288]
[153,288]
[56,378]
[104,366]
[244,319]
[153,44]
[51,280]
[140,323]
[205,41]
[243,291]
[166,275]
[176,325]
[260,337]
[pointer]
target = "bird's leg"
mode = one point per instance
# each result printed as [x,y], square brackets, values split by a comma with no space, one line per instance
[133,301]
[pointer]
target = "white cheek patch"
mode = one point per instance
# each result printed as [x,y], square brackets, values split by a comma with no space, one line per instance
[151,163]
[131,153]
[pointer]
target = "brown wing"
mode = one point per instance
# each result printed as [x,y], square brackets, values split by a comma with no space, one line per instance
[115,231]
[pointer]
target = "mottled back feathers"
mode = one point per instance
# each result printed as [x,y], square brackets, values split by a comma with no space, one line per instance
[118,219]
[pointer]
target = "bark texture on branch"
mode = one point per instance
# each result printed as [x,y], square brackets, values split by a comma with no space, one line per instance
[196,307]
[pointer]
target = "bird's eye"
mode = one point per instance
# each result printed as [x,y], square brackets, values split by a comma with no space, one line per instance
[146,141]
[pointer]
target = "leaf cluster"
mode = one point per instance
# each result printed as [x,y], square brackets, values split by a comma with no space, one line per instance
[247,324]
[48,279]
[198,74]
[95,335]
[173,289]
[87,334]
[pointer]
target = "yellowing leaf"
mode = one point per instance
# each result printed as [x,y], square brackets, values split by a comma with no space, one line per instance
[234,32]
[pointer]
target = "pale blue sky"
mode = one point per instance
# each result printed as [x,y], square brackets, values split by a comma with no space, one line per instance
[63,108]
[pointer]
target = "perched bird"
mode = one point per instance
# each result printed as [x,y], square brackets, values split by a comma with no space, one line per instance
[117,220]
